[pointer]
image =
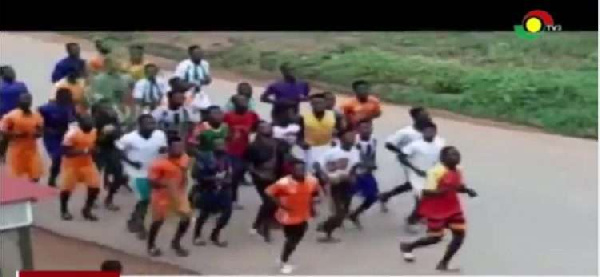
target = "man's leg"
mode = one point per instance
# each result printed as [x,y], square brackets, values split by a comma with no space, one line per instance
[154,229]
[458,237]
[92,195]
[185,211]
[226,210]
[293,236]
[367,186]
[338,216]
[239,170]
[200,221]
[435,233]
[265,212]
[67,185]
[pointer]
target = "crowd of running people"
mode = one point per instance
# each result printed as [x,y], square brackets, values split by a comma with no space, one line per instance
[111,125]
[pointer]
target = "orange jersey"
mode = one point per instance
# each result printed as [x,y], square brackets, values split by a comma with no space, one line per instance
[170,171]
[79,140]
[295,197]
[355,110]
[22,154]
[77,89]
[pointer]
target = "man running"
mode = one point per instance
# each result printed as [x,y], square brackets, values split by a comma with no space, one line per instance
[241,123]
[396,142]
[441,208]
[205,133]
[67,64]
[213,192]
[58,115]
[337,170]
[363,105]
[150,90]
[10,91]
[22,127]
[244,89]
[111,86]
[318,129]
[288,91]
[168,179]
[78,166]
[139,149]
[293,195]
[331,100]
[107,157]
[76,85]
[175,119]
[420,156]
[195,71]
[97,63]
[366,183]
[265,157]
[135,67]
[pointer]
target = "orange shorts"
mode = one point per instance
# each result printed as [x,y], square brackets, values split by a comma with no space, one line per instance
[435,227]
[162,204]
[71,176]
[24,163]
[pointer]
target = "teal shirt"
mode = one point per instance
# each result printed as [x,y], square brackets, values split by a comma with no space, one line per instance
[109,86]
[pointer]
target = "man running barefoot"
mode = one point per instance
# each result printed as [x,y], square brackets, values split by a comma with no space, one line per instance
[337,170]
[441,208]
[213,192]
[138,150]
[396,142]
[168,178]
[293,195]
[77,166]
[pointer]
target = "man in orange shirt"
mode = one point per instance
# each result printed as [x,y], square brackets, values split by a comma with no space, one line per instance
[77,166]
[74,83]
[23,127]
[363,106]
[168,178]
[293,196]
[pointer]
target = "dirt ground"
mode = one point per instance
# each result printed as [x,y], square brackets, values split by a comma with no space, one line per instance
[47,244]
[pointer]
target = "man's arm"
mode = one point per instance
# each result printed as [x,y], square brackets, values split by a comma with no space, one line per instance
[268,95]
[301,139]
[207,77]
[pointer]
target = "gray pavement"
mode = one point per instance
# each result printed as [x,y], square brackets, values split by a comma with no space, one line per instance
[536,214]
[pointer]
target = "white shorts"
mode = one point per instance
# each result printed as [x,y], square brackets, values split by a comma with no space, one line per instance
[313,155]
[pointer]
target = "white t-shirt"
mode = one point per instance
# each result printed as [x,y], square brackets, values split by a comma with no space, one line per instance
[191,72]
[404,136]
[367,149]
[337,162]
[141,150]
[288,133]
[424,155]
[145,91]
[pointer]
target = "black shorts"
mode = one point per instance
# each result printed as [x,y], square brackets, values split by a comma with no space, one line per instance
[109,161]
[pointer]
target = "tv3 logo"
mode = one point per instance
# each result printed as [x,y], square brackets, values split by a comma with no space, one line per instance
[535,23]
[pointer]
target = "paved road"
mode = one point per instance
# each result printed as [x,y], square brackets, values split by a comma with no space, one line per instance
[537,213]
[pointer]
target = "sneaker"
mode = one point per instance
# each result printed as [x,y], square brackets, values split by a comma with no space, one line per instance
[411,229]
[253,231]
[407,255]
[199,241]
[87,215]
[445,268]
[66,216]
[287,269]
[180,251]
[355,221]
[154,252]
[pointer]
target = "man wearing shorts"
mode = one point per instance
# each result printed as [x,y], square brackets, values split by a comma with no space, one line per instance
[78,166]
[168,179]
[441,208]
[138,149]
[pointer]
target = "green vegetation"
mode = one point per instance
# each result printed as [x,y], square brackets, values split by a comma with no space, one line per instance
[550,82]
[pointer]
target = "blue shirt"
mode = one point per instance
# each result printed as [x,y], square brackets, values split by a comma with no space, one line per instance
[56,118]
[9,95]
[64,67]
[291,91]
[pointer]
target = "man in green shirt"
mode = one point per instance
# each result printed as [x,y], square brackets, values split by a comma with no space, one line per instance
[210,131]
[111,86]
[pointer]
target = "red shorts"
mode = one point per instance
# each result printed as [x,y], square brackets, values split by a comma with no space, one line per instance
[435,227]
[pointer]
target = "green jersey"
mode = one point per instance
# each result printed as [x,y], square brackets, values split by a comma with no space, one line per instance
[207,135]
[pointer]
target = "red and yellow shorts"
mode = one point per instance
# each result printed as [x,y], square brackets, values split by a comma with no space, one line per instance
[162,204]
[435,227]
[71,176]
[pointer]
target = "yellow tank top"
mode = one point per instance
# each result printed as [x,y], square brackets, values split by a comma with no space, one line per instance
[318,132]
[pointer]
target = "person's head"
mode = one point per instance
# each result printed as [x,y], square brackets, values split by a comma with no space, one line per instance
[240,103]
[195,53]
[102,47]
[298,169]
[176,98]
[86,123]
[151,70]
[25,101]
[64,96]
[264,129]
[287,71]
[347,137]
[215,115]
[330,99]
[219,146]
[365,128]
[449,156]
[318,102]
[419,114]
[361,89]
[429,131]
[111,266]
[244,89]
[176,147]
[136,53]
[146,123]
[8,73]
[73,50]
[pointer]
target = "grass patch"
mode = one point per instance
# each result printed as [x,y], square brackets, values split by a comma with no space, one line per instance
[550,82]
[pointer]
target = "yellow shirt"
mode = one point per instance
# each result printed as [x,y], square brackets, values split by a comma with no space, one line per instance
[135,71]
[318,132]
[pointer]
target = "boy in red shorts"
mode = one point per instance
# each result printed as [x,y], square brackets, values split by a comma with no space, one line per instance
[441,208]
[168,178]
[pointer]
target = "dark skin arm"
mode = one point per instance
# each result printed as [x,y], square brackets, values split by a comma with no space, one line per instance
[301,142]
[404,160]
[393,148]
